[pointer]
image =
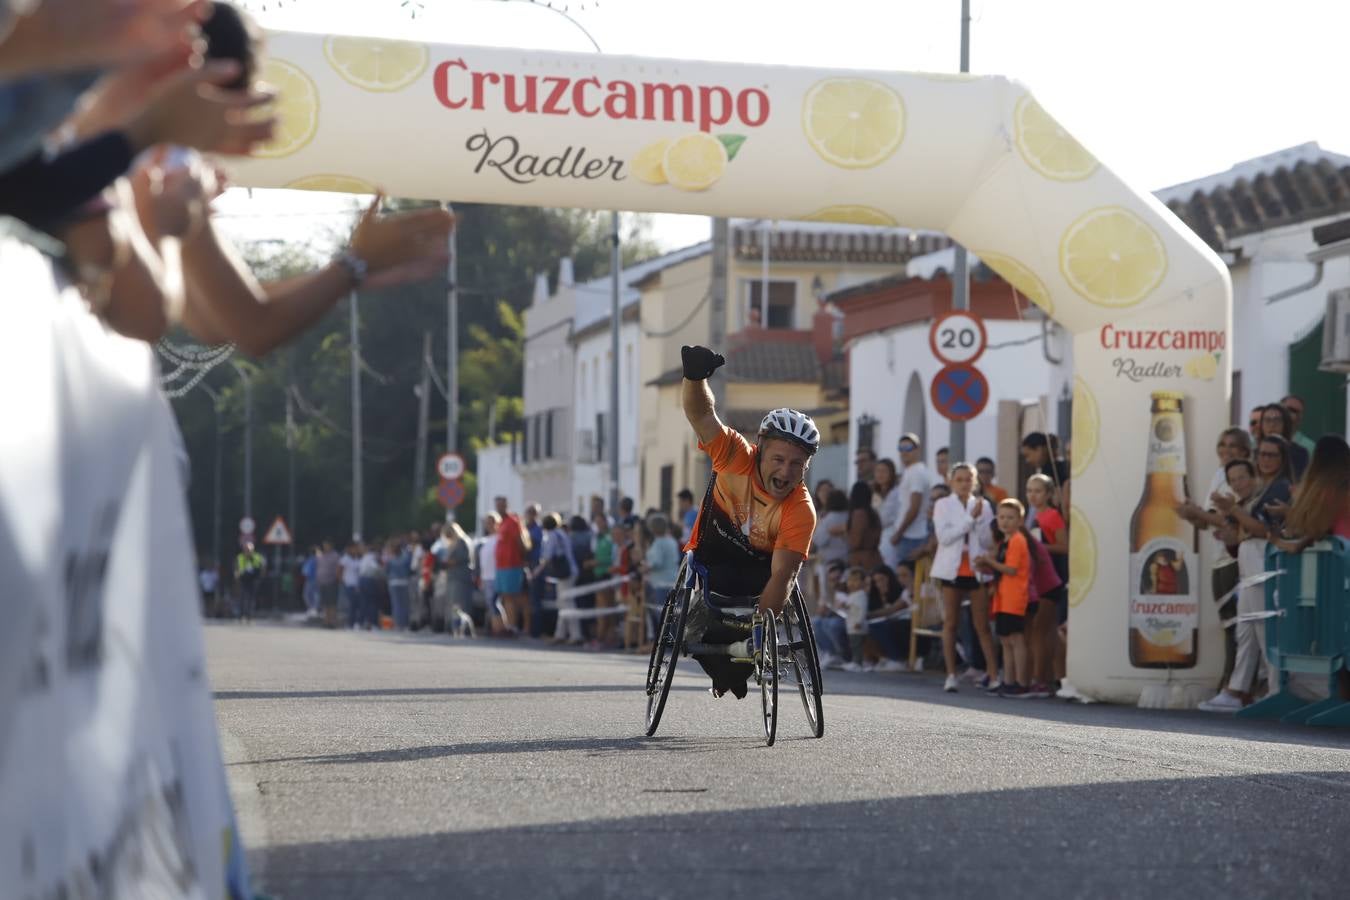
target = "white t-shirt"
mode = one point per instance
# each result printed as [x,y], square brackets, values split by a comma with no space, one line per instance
[915,480]
[855,612]
[350,576]
[369,566]
[487,559]
[1217,485]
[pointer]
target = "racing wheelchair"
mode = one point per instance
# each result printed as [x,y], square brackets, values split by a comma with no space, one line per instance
[788,647]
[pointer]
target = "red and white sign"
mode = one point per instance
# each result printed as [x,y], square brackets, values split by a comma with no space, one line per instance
[959,392]
[277,532]
[450,493]
[450,466]
[958,338]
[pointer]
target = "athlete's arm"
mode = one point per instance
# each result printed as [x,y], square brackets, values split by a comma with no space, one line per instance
[782,575]
[696,397]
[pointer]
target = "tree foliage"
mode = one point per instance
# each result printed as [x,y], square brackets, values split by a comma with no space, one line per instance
[500,249]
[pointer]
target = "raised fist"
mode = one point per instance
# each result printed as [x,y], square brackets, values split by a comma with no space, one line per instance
[700,362]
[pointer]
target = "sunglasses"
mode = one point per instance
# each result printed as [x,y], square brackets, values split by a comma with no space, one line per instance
[1270,453]
[906,448]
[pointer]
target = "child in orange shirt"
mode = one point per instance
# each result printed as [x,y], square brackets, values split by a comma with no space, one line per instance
[1013,567]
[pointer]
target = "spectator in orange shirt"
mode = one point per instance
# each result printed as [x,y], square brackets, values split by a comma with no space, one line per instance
[984,467]
[1012,595]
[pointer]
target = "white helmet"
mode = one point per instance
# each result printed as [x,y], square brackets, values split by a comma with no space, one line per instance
[793,426]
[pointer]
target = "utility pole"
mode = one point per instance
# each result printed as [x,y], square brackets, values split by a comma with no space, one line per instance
[961,273]
[615,265]
[358,507]
[717,318]
[765,236]
[215,485]
[290,487]
[452,350]
[290,455]
[423,413]
[248,437]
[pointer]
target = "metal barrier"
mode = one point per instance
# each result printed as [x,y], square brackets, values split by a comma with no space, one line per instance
[1308,632]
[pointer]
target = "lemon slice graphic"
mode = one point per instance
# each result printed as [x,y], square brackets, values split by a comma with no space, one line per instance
[854,123]
[1111,257]
[1020,277]
[649,164]
[1082,556]
[694,162]
[853,214]
[1086,427]
[376,65]
[1047,147]
[336,184]
[296,109]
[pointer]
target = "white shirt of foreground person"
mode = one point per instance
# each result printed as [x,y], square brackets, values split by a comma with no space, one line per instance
[961,528]
[111,711]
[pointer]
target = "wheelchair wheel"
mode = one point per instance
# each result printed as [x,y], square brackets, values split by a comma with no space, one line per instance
[666,648]
[801,649]
[768,680]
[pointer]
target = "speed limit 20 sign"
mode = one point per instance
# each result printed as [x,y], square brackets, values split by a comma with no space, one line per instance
[450,466]
[958,338]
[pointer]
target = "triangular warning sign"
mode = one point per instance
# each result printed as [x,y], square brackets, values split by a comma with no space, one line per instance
[278,533]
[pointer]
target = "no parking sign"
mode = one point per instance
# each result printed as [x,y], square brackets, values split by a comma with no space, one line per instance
[959,392]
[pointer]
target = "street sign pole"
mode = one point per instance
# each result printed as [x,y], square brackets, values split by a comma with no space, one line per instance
[956,443]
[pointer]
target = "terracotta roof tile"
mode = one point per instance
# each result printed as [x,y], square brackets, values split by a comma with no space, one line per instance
[773,362]
[1285,188]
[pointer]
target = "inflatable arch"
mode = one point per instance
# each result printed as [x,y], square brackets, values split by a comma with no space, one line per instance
[977,158]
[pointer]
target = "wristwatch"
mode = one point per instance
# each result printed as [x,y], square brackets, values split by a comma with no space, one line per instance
[355,266]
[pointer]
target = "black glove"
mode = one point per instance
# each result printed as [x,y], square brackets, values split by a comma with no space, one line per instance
[700,362]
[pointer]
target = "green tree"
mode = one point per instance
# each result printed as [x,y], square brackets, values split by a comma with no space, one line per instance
[500,249]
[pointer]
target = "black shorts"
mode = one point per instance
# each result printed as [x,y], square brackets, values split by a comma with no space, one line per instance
[962,583]
[1060,597]
[1007,624]
[1032,606]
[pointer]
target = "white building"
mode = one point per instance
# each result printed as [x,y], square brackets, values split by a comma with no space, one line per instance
[564,456]
[594,370]
[891,365]
[497,477]
[1260,216]
[544,457]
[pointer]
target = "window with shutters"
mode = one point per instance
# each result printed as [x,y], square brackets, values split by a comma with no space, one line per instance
[782,305]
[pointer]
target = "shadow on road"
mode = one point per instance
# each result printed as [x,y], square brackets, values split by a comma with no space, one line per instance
[634,687]
[589,746]
[1190,838]
[927,689]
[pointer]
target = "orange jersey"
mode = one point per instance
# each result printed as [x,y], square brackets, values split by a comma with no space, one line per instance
[768,523]
[1013,591]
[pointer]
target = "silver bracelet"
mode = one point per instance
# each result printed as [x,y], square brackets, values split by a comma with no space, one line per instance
[355,266]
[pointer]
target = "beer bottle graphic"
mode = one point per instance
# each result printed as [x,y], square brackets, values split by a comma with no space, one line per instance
[1164,589]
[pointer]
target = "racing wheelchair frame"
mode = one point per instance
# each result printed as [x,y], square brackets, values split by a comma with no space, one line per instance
[794,650]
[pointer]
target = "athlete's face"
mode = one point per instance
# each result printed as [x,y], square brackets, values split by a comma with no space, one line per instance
[782,465]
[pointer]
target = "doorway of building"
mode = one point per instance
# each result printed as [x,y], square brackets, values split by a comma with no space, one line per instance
[1323,393]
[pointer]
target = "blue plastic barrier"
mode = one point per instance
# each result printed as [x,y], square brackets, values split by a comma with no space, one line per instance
[1310,633]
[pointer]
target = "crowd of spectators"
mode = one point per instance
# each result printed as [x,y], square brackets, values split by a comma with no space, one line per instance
[917,566]
[976,580]
[579,580]
[1275,485]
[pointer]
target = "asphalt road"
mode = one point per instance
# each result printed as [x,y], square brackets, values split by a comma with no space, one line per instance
[403,767]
